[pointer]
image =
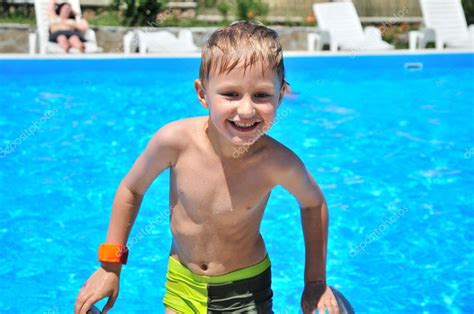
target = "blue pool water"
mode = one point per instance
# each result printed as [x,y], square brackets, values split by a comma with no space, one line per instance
[392,148]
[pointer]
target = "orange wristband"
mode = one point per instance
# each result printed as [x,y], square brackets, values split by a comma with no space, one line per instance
[113,253]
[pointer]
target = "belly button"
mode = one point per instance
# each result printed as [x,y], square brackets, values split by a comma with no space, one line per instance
[204,266]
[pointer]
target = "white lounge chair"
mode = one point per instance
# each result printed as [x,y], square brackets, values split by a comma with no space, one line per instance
[40,39]
[160,42]
[445,24]
[340,27]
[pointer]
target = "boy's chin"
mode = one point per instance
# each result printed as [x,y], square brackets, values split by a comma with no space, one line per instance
[240,142]
[247,140]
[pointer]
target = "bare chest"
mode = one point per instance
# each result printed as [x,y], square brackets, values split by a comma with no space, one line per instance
[208,187]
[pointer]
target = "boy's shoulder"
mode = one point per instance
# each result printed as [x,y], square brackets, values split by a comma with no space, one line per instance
[178,133]
[279,156]
[285,167]
[278,149]
[183,126]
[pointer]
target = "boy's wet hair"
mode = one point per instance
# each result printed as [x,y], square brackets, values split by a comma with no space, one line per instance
[242,42]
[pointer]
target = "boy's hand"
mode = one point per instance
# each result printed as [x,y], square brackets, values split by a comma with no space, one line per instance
[318,296]
[103,283]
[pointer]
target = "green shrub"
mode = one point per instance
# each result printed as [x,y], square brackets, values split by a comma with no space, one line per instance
[468,6]
[224,7]
[248,9]
[139,12]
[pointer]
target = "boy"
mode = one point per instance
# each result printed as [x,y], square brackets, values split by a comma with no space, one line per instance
[223,168]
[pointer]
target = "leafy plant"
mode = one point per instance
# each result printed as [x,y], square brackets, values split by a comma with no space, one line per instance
[107,17]
[248,9]
[139,12]
[209,3]
[223,7]
[468,6]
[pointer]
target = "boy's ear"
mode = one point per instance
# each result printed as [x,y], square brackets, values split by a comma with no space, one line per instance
[201,93]
[282,93]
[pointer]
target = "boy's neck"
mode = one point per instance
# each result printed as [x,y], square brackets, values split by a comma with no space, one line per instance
[224,148]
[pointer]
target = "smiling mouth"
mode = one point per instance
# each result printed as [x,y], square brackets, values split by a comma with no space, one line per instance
[244,127]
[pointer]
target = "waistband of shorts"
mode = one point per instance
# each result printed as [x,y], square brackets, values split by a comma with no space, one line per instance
[176,266]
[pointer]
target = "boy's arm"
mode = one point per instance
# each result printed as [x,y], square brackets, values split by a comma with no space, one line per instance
[314,216]
[294,177]
[161,152]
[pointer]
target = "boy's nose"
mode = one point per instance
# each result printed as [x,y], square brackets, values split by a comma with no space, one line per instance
[246,109]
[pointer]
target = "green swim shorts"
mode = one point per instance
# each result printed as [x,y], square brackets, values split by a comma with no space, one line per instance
[246,290]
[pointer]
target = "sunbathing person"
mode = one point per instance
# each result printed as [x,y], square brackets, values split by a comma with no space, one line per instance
[66,27]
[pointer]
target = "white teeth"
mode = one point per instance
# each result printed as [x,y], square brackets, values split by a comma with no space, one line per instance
[244,125]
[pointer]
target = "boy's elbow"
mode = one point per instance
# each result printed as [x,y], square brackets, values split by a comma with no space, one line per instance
[137,193]
[316,207]
[134,190]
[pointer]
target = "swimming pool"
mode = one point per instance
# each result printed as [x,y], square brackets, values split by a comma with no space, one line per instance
[389,138]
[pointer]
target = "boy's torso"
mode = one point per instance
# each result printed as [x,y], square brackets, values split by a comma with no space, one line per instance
[216,205]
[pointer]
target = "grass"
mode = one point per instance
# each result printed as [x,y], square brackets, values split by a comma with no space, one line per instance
[106,18]
[17,20]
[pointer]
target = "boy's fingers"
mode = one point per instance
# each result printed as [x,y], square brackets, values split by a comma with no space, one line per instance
[86,307]
[335,306]
[330,308]
[81,299]
[321,309]
[109,304]
[90,301]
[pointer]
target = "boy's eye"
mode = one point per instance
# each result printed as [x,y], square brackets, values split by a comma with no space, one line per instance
[262,95]
[230,94]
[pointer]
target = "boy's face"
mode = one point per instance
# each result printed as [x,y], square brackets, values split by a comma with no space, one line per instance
[241,106]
